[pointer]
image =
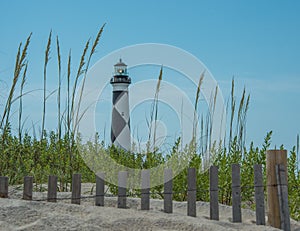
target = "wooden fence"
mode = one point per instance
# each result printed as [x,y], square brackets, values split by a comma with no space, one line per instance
[281,186]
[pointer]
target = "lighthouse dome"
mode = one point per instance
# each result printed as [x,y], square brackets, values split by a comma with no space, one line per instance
[120,63]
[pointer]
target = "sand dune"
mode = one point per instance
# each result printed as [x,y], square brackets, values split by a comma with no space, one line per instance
[16,214]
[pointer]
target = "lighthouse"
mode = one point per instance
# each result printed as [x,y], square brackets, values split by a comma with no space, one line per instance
[120,121]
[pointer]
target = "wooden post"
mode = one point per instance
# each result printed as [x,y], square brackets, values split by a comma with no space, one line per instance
[283,197]
[274,157]
[259,195]
[145,191]
[27,190]
[100,182]
[52,188]
[122,185]
[192,192]
[213,193]
[236,193]
[3,186]
[168,187]
[76,188]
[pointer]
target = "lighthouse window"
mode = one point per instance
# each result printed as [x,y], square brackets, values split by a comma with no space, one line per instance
[122,113]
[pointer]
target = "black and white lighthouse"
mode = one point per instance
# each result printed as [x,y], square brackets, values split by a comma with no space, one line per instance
[120,122]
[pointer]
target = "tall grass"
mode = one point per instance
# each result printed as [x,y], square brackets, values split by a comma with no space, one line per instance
[195,119]
[232,107]
[19,67]
[20,127]
[59,119]
[68,117]
[49,153]
[47,57]
[92,52]
[152,123]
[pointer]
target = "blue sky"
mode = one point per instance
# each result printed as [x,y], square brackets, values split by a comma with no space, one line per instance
[257,42]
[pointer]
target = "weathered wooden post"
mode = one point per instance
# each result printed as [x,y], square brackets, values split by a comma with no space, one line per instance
[52,189]
[168,187]
[283,197]
[28,186]
[122,185]
[274,157]
[145,191]
[213,193]
[192,192]
[3,186]
[76,188]
[259,195]
[236,193]
[100,183]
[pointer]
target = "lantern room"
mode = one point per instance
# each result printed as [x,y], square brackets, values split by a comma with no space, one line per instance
[120,68]
[120,73]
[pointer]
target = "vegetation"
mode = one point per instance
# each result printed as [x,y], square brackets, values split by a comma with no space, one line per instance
[58,152]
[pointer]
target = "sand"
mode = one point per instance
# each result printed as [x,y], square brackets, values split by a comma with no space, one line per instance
[17,214]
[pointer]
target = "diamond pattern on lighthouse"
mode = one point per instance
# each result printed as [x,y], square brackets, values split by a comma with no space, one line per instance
[119,123]
[116,96]
[122,106]
[123,136]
